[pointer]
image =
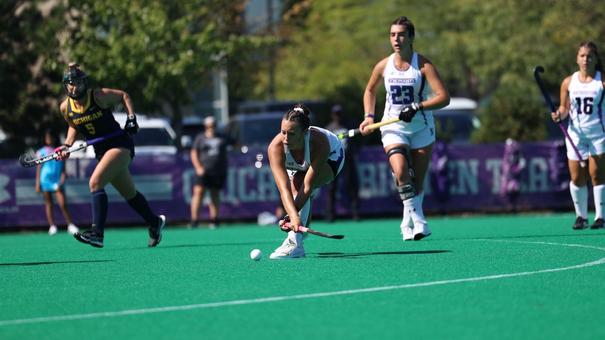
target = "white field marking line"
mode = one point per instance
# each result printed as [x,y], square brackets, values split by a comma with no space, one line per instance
[311,295]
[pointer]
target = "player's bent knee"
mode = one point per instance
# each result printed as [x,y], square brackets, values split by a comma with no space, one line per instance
[402,150]
[94,185]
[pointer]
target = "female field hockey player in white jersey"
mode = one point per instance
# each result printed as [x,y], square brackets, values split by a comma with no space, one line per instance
[582,101]
[302,159]
[408,144]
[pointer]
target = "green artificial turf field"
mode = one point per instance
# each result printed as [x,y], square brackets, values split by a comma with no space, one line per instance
[477,277]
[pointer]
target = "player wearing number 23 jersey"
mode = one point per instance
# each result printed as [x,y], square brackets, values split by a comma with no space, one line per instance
[408,78]
[405,87]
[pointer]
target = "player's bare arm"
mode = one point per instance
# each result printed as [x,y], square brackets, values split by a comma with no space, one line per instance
[563,110]
[107,98]
[71,130]
[369,96]
[276,155]
[441,97]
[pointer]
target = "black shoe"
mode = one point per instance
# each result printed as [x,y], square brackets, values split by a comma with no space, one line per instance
[599,223]
[214,223]
[581,223]
[90,237]
[155,234]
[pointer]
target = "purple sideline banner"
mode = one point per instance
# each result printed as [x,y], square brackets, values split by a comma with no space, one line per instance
[473,175]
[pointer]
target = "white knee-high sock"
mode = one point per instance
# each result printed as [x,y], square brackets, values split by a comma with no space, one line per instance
[579,195]
[414,209]
[407,217]
[599,199]
[297,238]
[305,216]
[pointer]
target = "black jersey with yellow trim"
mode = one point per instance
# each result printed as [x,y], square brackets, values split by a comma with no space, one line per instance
[91,120]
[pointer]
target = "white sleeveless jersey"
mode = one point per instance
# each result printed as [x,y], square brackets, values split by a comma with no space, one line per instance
[335,150]
[406,87]
[586,105]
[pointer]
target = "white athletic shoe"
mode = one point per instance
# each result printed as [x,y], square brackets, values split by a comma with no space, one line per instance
[52,230]
[421,231]
[289,249]
[72,229]
[407,232]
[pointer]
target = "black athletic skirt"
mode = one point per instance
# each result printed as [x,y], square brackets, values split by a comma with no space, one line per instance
[121,141]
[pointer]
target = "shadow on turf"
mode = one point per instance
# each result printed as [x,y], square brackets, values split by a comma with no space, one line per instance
[207,245]
[402,252]
[50,262]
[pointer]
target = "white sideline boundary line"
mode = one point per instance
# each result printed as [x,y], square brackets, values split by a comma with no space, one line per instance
[311,295]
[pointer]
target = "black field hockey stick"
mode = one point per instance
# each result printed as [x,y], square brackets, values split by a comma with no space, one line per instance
[308,230]
[319,233]
[551,106]
[371,127]
[29,159]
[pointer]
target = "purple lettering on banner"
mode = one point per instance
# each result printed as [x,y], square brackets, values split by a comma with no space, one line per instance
[473,174]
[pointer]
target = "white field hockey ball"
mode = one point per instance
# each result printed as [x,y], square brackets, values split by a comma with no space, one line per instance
[256,254]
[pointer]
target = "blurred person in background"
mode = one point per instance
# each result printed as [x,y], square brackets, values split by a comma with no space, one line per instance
[349,172]
[88,113]
[581,100]
[50,178]
[408,144]
[302,159]
[209,159]
[513,164]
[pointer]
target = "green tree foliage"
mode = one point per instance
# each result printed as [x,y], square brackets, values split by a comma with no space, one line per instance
[485,50]
[23,34]
[160,52]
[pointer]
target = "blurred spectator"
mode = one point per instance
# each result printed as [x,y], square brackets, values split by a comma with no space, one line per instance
[557,162]
[349,172]
[209,158]
[50,178]
[439,172]
[513,164]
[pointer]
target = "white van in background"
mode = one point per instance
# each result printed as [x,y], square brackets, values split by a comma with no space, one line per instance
[155,137]
[457,121]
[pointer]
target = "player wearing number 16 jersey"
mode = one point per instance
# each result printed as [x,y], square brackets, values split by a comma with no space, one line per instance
[409,79]
[582,101]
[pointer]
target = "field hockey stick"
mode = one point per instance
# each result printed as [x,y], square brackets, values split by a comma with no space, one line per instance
[371,127]
[315,232]
[319,233]
[551,106]
[28,160]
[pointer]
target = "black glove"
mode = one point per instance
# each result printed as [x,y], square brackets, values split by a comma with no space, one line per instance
[131,126]
[408,112]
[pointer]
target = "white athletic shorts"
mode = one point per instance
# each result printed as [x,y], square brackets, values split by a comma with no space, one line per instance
[394,134]
[587,145]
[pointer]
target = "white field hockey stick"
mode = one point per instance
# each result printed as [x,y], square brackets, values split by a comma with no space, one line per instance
[551,106]
[28,160]
[371,127]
